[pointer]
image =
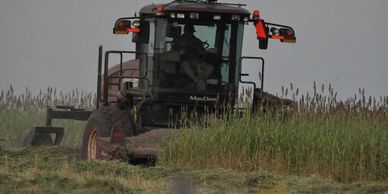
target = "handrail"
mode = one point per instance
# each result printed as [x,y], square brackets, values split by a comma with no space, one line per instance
[262,73]
[105,71]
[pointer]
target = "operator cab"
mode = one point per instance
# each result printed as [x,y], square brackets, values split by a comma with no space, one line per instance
[188,54]
[182,70]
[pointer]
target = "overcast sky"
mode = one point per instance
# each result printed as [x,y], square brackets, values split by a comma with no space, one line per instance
[54,43]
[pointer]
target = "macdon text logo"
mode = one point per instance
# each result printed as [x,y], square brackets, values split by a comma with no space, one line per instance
[203,99]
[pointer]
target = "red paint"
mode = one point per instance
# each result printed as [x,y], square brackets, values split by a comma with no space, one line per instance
[277,37]
[261,31]
[135,30]
[117,136]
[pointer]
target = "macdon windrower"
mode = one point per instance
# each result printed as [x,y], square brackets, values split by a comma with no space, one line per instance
[188,61]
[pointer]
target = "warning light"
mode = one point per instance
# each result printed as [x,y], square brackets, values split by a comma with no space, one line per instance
[124,27]
[256,15]
[160,10]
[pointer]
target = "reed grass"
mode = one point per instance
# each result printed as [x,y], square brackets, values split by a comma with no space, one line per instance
[321,135]
[20,112]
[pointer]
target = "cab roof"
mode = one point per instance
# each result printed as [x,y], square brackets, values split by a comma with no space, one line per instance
[218,8]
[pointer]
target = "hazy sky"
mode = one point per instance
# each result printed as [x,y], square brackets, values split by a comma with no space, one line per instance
[54,43]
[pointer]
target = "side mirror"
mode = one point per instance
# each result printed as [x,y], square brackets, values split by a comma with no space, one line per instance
[288,34]
[124,27]
[265,31]
[121,27]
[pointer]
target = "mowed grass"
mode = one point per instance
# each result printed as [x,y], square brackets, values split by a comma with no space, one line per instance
[58,169]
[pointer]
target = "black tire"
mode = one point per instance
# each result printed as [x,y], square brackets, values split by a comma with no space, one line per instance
[93,130]
[99,125]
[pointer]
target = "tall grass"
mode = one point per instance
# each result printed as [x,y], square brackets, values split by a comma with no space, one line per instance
[345,140]
[319,134]
[20,112]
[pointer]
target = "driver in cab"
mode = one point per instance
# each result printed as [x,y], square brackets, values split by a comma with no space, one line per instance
[192,52]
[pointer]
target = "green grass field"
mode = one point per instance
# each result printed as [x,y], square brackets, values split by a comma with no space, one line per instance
[320,145]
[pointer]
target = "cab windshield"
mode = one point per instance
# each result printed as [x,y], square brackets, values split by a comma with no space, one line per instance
[195,56]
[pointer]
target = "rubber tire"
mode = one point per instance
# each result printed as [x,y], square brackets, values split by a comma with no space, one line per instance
[100,122]
[93,131]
